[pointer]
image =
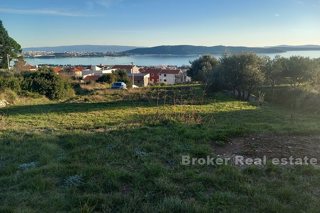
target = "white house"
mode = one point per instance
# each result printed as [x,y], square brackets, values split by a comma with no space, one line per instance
[170,76]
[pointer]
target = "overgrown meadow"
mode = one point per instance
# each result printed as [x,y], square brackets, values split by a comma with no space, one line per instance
[120,151]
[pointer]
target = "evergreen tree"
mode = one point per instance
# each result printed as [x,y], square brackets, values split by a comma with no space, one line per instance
[8,47]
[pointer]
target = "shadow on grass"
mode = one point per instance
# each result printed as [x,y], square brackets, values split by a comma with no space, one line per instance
[119,104]
[70,107]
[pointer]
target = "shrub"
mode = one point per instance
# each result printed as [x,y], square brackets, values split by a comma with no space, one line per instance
[107,78]
[46,82]
[8,95]
[300,98]
[122,76]
[9,81]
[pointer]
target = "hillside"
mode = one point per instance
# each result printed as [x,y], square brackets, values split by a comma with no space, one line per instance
[297,48]
[82,48]
[196,50]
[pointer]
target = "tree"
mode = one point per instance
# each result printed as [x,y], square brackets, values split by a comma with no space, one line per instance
[46,82]
[240,73]
[315,79]
[21,65]
[274,71]
[297,69]
[9,48]
[202,68]
[107,78]
[122,76]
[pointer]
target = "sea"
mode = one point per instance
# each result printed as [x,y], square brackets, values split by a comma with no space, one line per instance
[148,60]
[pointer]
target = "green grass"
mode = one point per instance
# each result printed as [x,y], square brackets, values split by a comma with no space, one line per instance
[125,155]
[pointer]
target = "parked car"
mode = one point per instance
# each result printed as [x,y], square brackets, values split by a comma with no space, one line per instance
[119,85]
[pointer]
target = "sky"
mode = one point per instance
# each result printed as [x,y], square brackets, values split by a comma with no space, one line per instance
[36,23]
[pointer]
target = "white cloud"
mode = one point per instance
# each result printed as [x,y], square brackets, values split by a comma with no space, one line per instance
[51,12]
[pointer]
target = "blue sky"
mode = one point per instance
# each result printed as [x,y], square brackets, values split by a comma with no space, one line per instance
[36,23]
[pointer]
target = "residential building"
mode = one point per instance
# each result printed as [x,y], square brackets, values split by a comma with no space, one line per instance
[140,79]
[154,74]
[171,77]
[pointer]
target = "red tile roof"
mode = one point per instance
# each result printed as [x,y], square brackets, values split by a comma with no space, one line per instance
[57,69]
[77,69]
[160,71]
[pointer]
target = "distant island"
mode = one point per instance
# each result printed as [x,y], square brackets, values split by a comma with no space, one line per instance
[117,50]
[200,50]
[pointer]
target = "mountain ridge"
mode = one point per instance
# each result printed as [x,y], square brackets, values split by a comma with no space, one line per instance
[220,49]
[173,49]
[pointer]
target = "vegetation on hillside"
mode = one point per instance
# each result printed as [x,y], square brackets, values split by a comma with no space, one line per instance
[292,82]
[44,82]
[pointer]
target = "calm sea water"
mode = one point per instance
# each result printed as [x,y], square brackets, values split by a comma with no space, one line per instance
[147,60]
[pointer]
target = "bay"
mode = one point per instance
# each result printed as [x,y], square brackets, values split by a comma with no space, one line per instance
[147,60]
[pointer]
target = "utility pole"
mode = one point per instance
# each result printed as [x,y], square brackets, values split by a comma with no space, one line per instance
[8,60]
[132,74]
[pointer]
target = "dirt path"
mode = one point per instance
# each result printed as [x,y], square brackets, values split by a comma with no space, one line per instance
[272,146]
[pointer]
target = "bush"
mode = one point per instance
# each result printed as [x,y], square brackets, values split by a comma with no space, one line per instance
[9,81]
[122,76]
[46,82]
[107,78]
[8,95]
[301,98]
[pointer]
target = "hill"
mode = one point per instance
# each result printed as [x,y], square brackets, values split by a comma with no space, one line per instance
[297,48]
[82,48]
[196,50]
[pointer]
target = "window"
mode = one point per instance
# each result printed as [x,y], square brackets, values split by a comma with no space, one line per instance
[165,75]
[165,80]
[151,74]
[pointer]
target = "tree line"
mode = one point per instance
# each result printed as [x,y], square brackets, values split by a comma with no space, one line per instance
[245,73]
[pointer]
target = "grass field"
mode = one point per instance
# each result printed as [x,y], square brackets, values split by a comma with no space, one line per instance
[121,152]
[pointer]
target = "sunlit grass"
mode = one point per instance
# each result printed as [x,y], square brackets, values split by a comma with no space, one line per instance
[125,155]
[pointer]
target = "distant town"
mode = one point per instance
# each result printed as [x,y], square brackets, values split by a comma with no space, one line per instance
[51,54]
[141,76]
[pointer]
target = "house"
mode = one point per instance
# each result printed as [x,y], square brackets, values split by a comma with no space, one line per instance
[77,71]
[154,74]
[127,68]
[171,76]
[57,69]
[140,79]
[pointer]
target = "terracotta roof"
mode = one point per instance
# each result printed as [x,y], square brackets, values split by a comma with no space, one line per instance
[57,69]
[150,70]
[77,69]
